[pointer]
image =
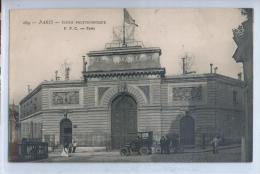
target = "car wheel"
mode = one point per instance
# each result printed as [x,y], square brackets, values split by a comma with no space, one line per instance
[144,151]
[123,152]
[158,150]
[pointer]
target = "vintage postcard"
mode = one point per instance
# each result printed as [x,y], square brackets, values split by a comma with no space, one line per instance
[131,85]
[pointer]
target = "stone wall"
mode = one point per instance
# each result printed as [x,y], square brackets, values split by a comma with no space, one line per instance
[161,104]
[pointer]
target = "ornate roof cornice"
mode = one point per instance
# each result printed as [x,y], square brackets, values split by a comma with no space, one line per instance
[124,50]
[117,73]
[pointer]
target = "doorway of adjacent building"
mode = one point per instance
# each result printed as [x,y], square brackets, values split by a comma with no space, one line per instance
[187,131]
[123,120]
[65,131]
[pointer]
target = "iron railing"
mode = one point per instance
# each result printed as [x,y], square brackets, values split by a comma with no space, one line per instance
[29,150]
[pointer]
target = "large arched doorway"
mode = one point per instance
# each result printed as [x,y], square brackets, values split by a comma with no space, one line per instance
[123,120]
[187,131]
[65,131]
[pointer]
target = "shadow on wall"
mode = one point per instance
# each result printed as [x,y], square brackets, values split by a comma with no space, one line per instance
[174,131]
[183,130]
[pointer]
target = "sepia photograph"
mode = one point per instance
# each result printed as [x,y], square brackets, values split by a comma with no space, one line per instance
[142,85]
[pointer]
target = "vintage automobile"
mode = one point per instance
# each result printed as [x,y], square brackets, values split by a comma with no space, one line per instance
[142,145]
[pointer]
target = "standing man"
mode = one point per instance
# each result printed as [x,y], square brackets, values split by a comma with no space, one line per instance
[162,144]
[214,143]
[74,145]
[70,147]
[167,144]
[137,144]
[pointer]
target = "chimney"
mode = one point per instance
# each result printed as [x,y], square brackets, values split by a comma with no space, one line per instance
[215,70]
[67,73]
[57,78]
[29,89]
[84,63]
[183,66]
[239,76]
[211,68]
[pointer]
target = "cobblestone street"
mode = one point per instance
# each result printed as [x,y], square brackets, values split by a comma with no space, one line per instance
[229,154]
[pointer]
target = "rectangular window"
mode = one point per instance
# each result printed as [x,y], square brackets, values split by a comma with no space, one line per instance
[235,97]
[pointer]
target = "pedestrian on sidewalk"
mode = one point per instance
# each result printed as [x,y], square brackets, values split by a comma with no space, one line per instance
[167,144]
[65,150]
[214,144]
[70,147]
[74,146]
[162,144]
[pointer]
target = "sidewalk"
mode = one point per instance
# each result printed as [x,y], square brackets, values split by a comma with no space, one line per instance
[88,151]
[209,148]
[230,153]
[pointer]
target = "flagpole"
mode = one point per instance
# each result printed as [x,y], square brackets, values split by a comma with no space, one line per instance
[124,28]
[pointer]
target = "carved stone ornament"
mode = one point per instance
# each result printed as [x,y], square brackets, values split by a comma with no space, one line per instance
[65,98]
[187,93]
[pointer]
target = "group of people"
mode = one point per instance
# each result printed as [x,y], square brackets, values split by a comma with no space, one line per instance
[69,148]
[165,145]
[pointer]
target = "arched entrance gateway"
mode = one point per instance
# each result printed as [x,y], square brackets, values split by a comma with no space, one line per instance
[65,131]
[123,120]
[187,131]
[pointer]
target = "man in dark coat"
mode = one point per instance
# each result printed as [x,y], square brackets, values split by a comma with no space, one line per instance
[136,144]
[162,144]
[167,145]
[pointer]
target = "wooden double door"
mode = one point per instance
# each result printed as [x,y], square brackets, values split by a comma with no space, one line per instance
[123,120]
[187,131]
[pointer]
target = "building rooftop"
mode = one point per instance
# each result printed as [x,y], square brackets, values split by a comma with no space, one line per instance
[171,78]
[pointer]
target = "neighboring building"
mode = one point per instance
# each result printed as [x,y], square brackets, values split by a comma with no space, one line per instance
[125,90]
[13,123]
[243,36]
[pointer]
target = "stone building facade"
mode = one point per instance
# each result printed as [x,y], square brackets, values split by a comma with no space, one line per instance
[125,90]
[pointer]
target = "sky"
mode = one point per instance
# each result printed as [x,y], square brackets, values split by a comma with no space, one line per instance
[39,48]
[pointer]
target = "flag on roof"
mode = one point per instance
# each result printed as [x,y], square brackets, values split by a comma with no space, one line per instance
[128,18]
